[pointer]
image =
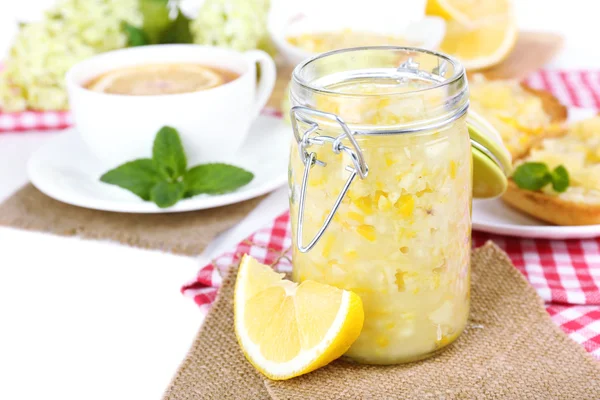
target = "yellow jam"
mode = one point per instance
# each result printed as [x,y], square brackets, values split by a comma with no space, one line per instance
[401,237]
[518,114]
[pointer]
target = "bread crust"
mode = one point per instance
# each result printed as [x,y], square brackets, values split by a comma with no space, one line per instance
[551,208]
[552,106]
[557,112]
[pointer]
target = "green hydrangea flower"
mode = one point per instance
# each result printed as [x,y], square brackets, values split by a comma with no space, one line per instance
[43,51]
[237,24]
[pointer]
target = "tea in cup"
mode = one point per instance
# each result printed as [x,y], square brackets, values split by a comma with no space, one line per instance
[120,99]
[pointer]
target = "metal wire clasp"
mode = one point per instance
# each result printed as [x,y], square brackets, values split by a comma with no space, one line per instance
[311,137]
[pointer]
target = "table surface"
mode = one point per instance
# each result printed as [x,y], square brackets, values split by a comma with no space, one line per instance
[89,319]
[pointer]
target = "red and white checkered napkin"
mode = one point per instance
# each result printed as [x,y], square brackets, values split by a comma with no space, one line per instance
[579,88]
[34,121]
[565,273]
[54,120]
[574,88]
[267,245]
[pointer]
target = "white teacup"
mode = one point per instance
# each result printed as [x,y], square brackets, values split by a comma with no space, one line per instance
[213,123]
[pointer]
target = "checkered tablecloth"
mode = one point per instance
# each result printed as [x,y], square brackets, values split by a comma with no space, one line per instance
[565,273]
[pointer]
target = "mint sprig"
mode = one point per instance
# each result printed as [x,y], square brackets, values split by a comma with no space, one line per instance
[164,179]
[536,175]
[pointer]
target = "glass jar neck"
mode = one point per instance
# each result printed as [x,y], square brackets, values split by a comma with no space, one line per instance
[383,90]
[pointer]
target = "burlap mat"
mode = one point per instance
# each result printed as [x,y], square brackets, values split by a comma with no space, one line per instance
[184,233]
[510,350]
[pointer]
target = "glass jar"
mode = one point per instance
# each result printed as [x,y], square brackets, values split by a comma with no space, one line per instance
[380,193]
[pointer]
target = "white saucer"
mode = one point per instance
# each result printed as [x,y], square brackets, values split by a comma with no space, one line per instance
[494,216]
[65,170]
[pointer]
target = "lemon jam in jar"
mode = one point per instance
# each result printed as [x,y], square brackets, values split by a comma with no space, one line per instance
[380,193]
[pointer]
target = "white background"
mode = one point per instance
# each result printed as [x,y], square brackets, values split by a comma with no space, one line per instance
[96,320]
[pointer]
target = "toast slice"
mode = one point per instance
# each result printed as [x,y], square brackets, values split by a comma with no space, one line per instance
[522,115]
[579,151]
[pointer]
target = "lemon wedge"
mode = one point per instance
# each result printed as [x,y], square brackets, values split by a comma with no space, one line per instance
[157,79]
[287,329]
[480,33]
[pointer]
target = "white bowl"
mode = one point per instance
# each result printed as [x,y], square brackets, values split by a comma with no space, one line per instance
[427,33]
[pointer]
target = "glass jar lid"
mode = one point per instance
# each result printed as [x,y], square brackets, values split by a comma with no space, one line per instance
[492,162]
[411,89]
[430,86]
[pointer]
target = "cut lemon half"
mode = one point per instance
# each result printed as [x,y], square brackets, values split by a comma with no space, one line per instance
[160,79]
[468,12]
[287,329]
[480,33]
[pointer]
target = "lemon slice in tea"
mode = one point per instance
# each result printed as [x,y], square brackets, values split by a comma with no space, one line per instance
[160,79]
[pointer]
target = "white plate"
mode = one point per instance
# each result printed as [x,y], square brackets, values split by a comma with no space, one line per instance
[65,170]
[494,216]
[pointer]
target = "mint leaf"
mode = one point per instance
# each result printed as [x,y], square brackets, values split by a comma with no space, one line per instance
[178,31]
[155,14]
[536,175]
[166,194]
[560,179]
[215,178]
[168,154]
[137,176]
[532,175]
[135,36]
